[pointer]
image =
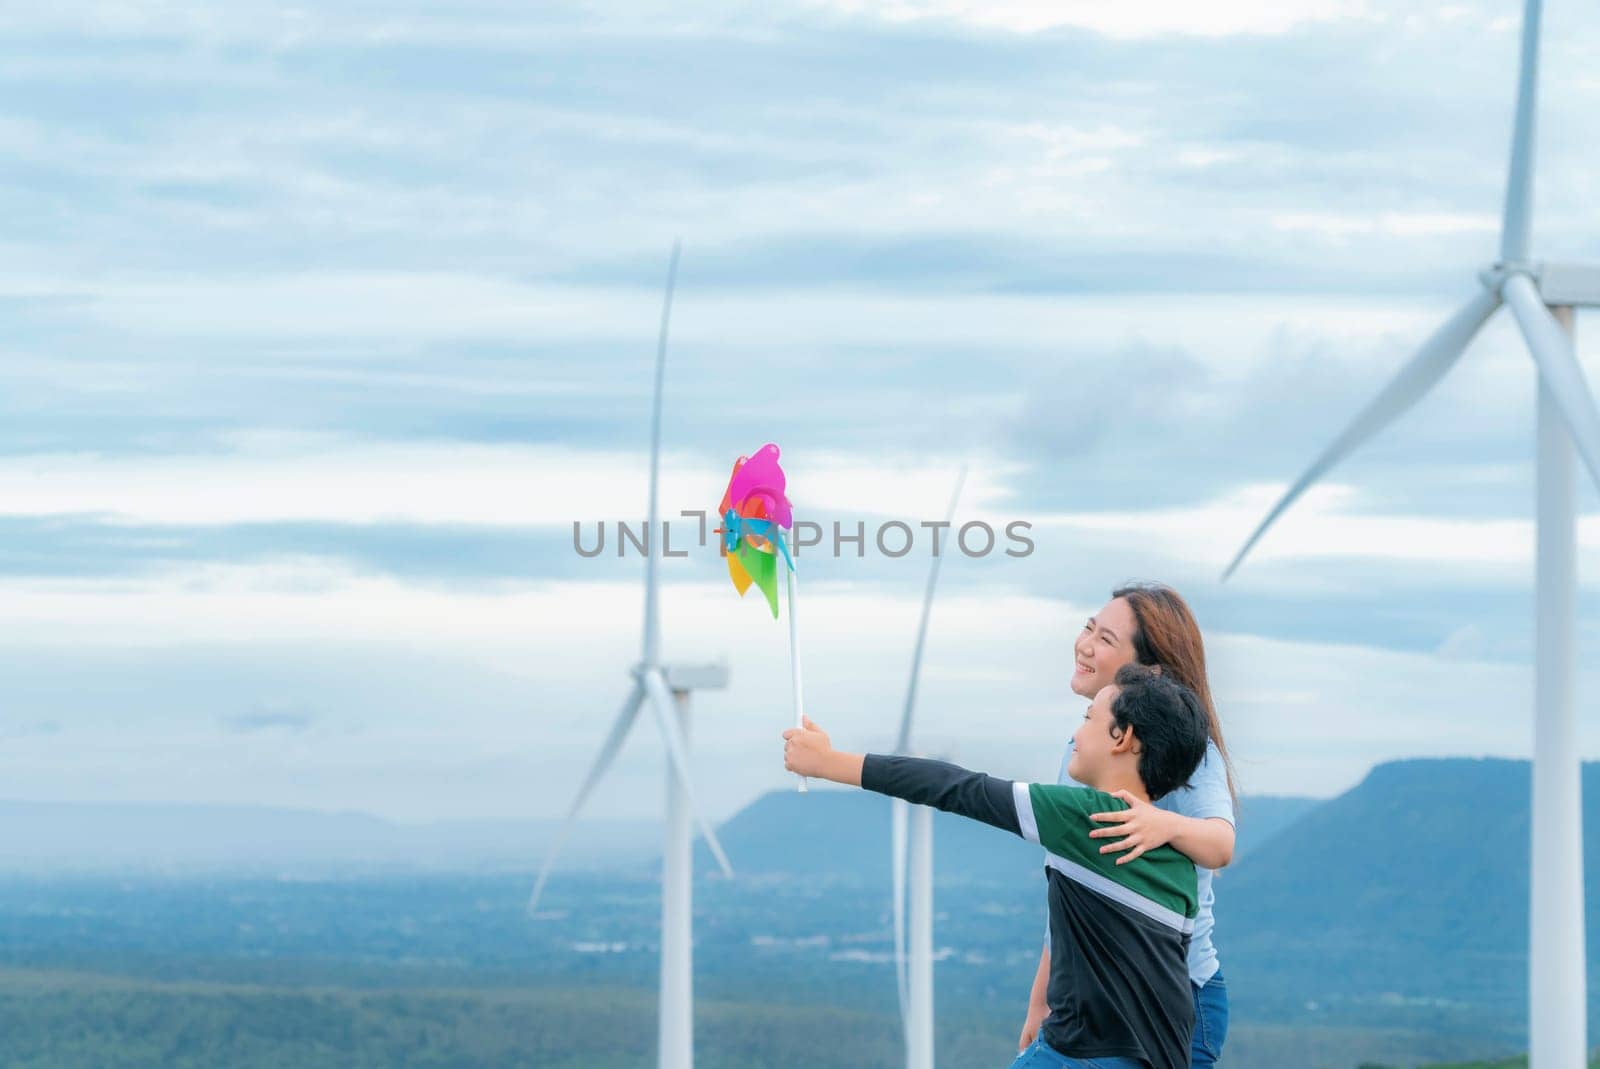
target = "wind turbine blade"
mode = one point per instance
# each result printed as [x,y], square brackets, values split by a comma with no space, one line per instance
[678,753]
[1519,179]
[899,811]
[1437,355]
[608,752]
[652,629]
[903,740]
[1558,367]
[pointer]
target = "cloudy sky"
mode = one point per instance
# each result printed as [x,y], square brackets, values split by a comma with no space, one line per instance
[323,326]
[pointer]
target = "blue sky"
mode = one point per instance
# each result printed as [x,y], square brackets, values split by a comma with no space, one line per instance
[324,325]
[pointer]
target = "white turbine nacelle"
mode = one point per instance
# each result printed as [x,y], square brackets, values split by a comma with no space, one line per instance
[687,677]
[1561,285]
[1541,297]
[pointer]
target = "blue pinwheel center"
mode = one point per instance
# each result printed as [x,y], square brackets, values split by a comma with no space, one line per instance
[736,527]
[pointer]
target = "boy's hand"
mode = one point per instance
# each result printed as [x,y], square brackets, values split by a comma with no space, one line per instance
[806,750]
[1030,1027]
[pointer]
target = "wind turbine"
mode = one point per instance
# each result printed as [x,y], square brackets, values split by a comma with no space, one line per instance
[1542,297]
[666,689]
[913,863]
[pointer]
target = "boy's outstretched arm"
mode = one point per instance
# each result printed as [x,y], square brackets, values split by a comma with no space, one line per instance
[997,802]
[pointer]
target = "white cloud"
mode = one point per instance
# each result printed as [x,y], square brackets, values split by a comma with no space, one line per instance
[1136,20]
[510,693]
[1325,524]
[1400,224]
[1306,718]
[423,307]
[321,190]
[317,479]
[314,479]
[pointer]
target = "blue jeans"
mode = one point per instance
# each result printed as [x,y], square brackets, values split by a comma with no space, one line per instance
[1041,1055]
[1210,1022]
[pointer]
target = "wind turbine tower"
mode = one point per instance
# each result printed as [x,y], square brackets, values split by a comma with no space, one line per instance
[1542,297]
[666,689]
[913,864]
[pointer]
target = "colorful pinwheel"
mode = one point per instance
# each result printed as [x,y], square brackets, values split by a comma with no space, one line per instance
[755,514]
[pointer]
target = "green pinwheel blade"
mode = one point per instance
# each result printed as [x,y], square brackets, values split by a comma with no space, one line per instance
[763,569]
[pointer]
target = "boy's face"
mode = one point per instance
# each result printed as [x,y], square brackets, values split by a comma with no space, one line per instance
[1092,744]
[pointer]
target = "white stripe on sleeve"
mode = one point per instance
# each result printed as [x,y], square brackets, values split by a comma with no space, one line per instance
[1024,801]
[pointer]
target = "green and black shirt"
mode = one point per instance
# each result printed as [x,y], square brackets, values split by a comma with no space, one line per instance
[1119,985]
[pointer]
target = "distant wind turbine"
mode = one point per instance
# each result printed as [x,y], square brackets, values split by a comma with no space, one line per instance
[666,689]
[1542,297]
[913,863]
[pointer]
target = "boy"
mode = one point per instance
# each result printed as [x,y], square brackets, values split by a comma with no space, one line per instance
[1119,986]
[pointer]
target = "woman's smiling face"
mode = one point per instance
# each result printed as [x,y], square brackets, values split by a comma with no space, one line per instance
[1104,645]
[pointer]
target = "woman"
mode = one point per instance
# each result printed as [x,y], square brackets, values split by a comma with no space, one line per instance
[1149,624]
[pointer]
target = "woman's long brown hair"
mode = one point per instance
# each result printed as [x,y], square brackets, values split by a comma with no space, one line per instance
[1169,637]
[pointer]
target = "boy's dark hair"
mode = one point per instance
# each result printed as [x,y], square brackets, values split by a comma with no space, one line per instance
[1170,722]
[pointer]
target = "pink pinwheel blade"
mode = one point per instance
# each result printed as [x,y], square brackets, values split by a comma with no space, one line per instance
[760,479]
[727,495]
